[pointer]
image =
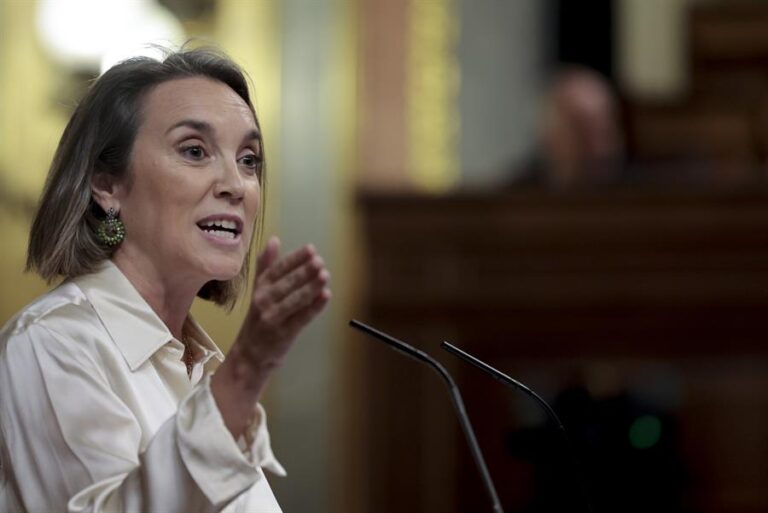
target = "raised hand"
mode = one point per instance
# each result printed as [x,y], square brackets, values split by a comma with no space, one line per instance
[288,293]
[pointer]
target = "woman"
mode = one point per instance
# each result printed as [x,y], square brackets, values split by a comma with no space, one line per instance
[108,400]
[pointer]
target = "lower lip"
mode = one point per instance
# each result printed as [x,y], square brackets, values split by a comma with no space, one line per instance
[221,241]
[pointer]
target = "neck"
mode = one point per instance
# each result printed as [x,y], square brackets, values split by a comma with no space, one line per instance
[169,295]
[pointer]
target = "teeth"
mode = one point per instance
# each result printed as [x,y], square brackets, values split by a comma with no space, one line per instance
[223,223]
[222,234]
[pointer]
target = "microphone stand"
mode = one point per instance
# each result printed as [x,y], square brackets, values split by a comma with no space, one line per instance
[458,404]
[513,383]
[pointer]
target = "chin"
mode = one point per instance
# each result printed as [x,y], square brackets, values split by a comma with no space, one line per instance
[224,272]
[219,268]
[223,275]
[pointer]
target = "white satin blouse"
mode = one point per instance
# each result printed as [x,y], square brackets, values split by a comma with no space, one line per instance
[98,413]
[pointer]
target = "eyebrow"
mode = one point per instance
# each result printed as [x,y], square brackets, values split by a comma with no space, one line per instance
[208,129]
[200,126]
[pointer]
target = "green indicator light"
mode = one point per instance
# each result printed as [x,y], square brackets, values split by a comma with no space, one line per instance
[645,432]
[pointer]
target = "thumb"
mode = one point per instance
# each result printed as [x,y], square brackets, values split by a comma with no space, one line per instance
[268,256]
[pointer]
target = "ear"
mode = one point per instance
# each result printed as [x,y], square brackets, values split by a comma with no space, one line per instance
[106,191]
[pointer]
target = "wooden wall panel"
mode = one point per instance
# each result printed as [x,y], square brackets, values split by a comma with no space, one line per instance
[659,297]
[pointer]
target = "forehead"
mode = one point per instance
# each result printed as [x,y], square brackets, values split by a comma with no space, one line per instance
[196,98]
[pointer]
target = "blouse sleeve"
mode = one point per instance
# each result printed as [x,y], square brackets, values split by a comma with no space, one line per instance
[74,446]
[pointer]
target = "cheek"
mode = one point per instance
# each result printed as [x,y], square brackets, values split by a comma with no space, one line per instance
[160,205]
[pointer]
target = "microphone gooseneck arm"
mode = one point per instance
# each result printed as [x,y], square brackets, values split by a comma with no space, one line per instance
[507,380]
[458,403]
[513,383]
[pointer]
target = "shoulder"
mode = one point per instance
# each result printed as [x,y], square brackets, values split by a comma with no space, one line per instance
[62,317]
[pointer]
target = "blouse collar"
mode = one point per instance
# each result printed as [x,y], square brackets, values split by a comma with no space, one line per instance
[136,329]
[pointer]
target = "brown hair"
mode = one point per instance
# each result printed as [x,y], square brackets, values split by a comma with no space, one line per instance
[98,139]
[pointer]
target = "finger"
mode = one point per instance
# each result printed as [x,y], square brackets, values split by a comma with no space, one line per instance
[289,262]
[298,299]
[290,327]
[295,279]
[268,256]
[298,320]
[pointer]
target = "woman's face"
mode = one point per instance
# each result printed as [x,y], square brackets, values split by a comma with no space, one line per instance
[193,192]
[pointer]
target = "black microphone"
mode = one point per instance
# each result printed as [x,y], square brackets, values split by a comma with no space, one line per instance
[513,383]
[455,397]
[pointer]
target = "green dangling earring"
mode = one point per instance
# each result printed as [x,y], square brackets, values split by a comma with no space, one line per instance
[111,230]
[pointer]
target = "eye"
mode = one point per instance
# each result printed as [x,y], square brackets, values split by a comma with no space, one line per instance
[252,161]
[193,151]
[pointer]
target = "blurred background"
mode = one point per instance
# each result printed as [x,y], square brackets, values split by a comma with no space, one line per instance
[574,191]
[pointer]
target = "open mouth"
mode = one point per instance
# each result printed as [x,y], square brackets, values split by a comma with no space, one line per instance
[220,227]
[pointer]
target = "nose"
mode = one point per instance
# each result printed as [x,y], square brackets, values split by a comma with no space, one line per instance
[229,184]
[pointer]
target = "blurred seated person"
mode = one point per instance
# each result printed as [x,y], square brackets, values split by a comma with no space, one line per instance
[581,141]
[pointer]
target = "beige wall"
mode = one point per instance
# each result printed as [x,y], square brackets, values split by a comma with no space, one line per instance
[30,121]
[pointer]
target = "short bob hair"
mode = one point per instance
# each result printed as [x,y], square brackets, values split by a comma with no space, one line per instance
[98,139]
